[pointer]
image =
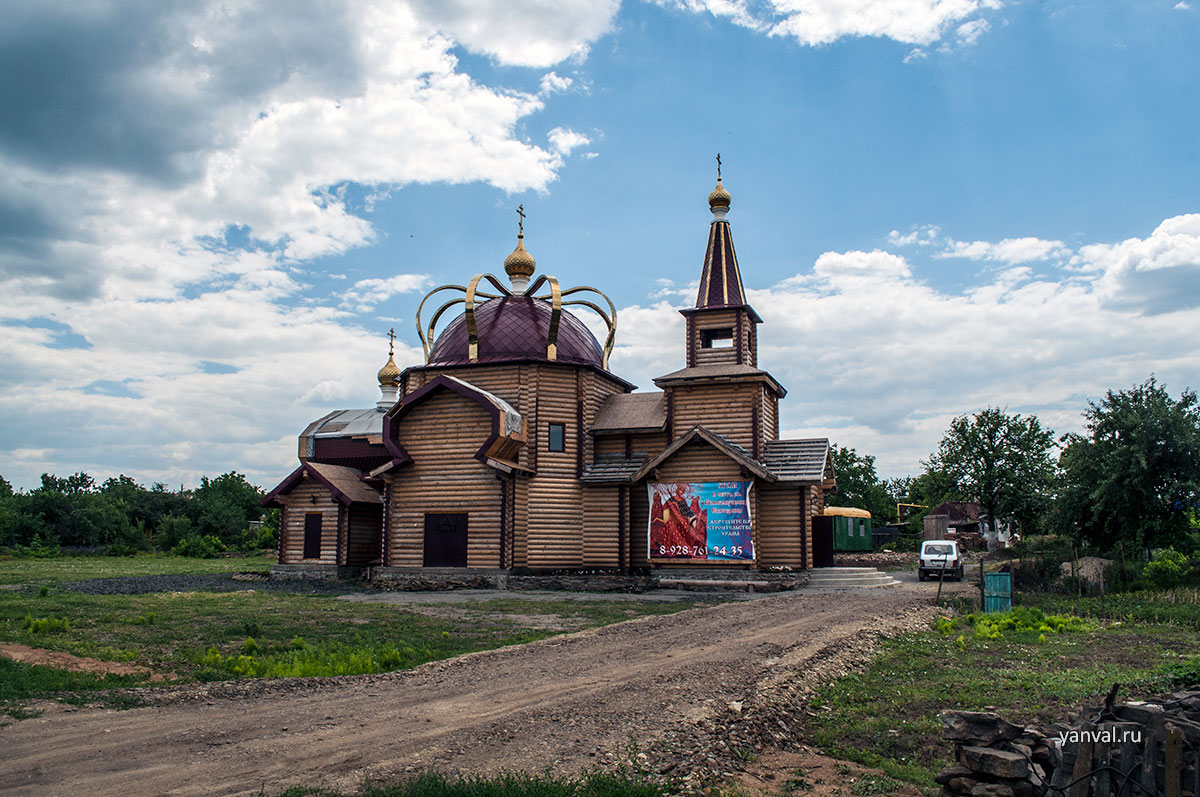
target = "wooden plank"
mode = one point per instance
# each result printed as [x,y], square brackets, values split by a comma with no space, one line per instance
[1083,761]
[1173,761]
[1101,782]
[1149,779]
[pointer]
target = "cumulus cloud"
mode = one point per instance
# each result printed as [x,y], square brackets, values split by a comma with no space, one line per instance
[563,140]
[1010,251]
[820,22]
[366,294]
[523,32]
[877,358]
[1156,274]
[168,170]
[553,83]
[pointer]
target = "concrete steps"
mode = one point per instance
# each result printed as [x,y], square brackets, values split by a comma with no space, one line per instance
[849,578]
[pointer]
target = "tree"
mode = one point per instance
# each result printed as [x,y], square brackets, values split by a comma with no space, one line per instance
[1134,476]
[1001,461]
[224,506]
[858,485]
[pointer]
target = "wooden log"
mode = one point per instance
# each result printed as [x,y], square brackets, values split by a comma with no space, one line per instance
[1061,778]
[1102,783]
[1173,761]
[1128,765]
[1150,761]
[1081,783]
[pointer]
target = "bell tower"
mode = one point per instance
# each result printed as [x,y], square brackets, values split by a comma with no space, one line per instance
[722,327]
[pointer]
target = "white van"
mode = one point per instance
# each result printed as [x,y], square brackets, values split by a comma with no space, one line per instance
[939,558]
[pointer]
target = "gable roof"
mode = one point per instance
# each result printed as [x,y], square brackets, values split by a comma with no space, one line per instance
[798,460]
[503,443]
[345,484]
[727,447]
[632,412]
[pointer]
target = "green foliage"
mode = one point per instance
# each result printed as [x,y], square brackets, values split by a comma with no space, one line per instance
[1166,570]
[336,658]
[200,546]
[999,460]
[1185,673]
[172,530]
[1022,624]
[45,625]
[859,486]
[223,507]
[886,716]
[509,784]
[1134,475]
[1177,607]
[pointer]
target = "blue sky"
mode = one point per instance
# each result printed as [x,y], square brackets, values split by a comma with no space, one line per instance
[211,213]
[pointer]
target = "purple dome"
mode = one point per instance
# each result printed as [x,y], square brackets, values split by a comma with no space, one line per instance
[516,328]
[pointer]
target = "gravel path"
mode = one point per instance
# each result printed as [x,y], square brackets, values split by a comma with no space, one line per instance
[568,702]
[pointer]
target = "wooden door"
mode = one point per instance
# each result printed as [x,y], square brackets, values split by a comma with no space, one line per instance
[312,535]
[822,541]
[445,540]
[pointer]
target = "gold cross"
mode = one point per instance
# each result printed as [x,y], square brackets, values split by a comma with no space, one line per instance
[391,341]
[521,223]
[718,167]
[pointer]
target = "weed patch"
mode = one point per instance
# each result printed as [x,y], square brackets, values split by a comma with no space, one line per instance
[431,784]
[20,682]
[886,716]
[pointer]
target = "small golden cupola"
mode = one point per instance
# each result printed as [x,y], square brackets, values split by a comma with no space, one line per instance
[389,376]
[520,265]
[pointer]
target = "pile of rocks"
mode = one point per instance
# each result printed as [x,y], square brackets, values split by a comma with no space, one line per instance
[996,758]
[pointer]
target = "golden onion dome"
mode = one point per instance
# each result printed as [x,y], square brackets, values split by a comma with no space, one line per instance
[719,198]
[520,263]
[389,374]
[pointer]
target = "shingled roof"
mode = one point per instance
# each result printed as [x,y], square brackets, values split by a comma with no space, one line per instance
[344,484]
[632,412]
[798,460]
[613,469]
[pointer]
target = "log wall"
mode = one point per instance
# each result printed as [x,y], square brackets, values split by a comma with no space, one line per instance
[365,524]
[784,527]
[298,503]
[601,527]
[442,435]
[725,408]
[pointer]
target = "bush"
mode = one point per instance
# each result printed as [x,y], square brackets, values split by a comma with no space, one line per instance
[172,530]
[45,625]
[1166,570]
[200,546]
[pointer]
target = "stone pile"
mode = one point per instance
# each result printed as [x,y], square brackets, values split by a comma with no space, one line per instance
[1133,748]
[996,758]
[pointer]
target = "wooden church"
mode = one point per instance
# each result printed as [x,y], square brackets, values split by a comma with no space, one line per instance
[514,447]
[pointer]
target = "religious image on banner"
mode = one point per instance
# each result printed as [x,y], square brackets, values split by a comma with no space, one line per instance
[700,520]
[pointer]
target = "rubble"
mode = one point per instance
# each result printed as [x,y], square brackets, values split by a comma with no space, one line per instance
[1150,747]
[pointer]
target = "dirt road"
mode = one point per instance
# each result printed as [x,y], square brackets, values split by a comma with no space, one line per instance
[568,702]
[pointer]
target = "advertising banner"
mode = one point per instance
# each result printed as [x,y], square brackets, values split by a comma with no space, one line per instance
[700,520]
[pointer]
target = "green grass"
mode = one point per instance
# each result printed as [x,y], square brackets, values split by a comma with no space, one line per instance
[77,568]
[431,784]
[253,633]
[886,716]
[1180,607]
[20,683]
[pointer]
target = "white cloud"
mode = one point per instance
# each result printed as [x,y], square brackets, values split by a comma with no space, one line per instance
[1182,6]
[170,228]
[878,359]
[922,235]
[563,140]
[554,84]
[523,32]
[819,22]
[1010,251]
[969,32]
[1157,274]
[366,294]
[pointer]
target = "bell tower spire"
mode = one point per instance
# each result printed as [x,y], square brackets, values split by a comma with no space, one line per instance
[721,327]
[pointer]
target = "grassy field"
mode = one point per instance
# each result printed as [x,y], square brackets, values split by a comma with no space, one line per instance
[77,568]
[887,715]
[511,785]
[199,636]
